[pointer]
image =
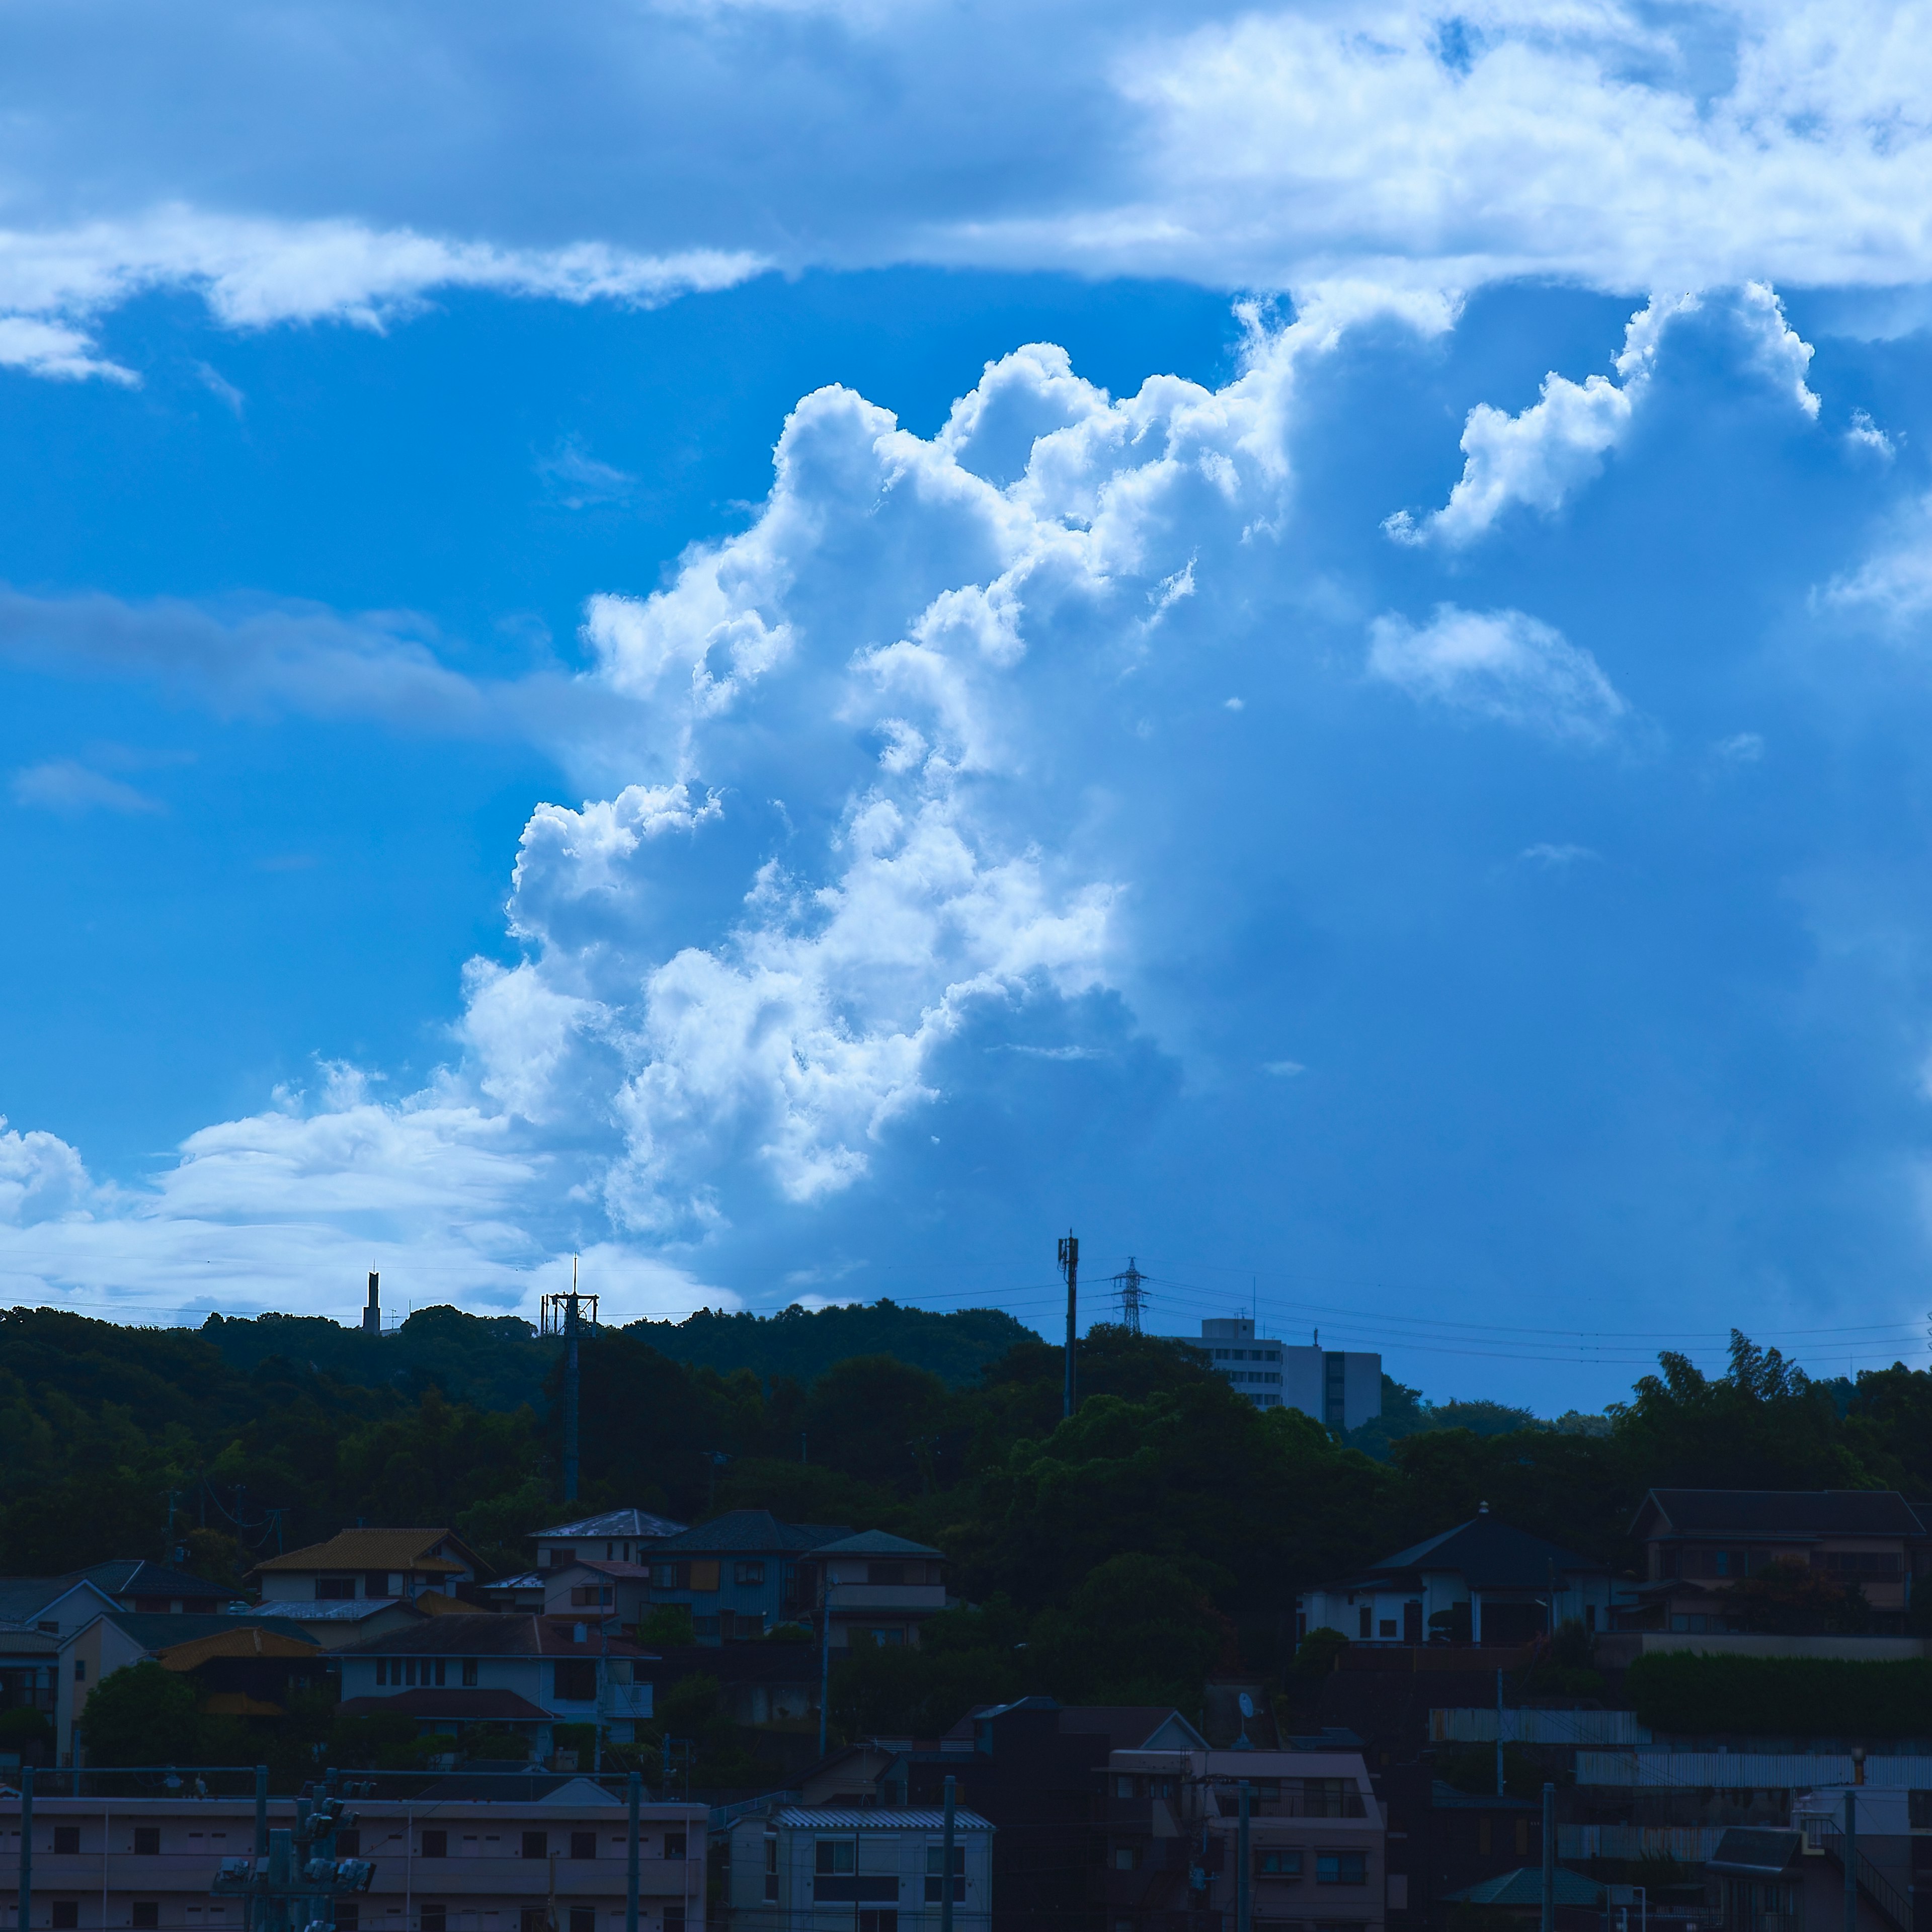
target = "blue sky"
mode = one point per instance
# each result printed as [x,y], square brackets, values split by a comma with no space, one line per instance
[795,645]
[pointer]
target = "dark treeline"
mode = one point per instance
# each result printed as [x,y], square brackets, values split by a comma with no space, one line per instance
[1163,1531]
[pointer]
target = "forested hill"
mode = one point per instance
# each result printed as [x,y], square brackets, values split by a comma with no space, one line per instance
[957,1347]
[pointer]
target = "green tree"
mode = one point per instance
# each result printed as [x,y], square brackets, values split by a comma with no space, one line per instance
[143,1715]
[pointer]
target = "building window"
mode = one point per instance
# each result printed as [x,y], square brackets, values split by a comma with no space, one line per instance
[751,1575]
[886,1573]
[832,1855]
[1278,1864]
[349,1845]
[67,1838]
[80,1670]
[376,1584]
[1367,1621]
[674,1916]
[148,1841]
[887,1921]
[535,1918]
[348,1915]
[1341,1867]
[583,1844]
[382,1671]
[935,1861]
[536,1844]
[332,1589]
[470,1673]
[1522,1838]
[584,1918]
[576,1681]
[435,1844]
[1386,1627]
[435,1918]
[145,1914]
[67,1914]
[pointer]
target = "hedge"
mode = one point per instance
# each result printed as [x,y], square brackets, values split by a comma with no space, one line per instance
[1682,1691]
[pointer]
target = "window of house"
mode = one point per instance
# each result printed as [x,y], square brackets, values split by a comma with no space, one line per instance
[334,1588]
[886,1572]
[583,1844]
[1367,1621]
[576,1681]
[67,1914]
[1126,1858]
[67,1838]
[750,1574]
[80,1670]
[885,1921]
[382,1671]
[145,1914]
[435,1918]
[935,1862]
[1522,1838]
[1341,1867]
[348,1915]
[1124,1787]
[470,1673]
[147,1840]
[584,1918]
[536,1844]
[435,1844]
[533,1918]
[376,1584]
[349,1844]
[1387,1627]
[832,1855]
[1278,1864]
[674,1916]
[674,1844]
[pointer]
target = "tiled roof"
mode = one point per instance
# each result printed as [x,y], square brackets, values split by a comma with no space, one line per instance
[1786,1512]
[244,1640]
[23,1598]
[136,1578]
[399,1550]
[835,1818]
[329,1609]
[482,1707]
[617,1524]
[157,1631]
[629,1573]
[750,1533]
[876,1542]
[1488,1553]
[494,1634]
[1524,1886]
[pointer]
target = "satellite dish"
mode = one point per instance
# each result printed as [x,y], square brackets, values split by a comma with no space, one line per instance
[1247,1706]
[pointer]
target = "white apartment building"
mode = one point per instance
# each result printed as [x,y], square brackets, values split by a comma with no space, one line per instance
[1343,1388]
[456,1864]
[793,1866]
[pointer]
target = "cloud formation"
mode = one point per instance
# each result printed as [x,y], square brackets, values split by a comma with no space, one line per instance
[1498,665]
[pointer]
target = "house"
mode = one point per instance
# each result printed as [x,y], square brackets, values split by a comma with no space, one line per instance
[619,1593]
[369,1565]
[1698,1543]
[880,1588]
[742,1574]
[342,1621]
[493,1671]
[1482,1582]
[116,1639]
[1769,1876]
[880,1871]
[1343,1388]
[618,1536]
[29,1659]
[555,1854]
[53,1604]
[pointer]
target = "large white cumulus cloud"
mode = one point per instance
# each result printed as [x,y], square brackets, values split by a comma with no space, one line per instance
[910,620]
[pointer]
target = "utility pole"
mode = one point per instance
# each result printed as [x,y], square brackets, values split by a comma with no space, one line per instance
[1133,1297]
[1244,1912]
[945,1863]
[1549,1913]
[1069,1263]
[570,1387]
[633,1791]
[24,1917]
[1852,1861]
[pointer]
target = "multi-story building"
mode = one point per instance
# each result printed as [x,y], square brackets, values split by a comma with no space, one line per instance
[742,1574]
[1481,1583]
[484,1670]
[793,1868]
[618,1536]
[617,1593]
[1698,1542]
[879,1588]
[1316,1839]
[557,1855]
[373,1565]
[1343,1388]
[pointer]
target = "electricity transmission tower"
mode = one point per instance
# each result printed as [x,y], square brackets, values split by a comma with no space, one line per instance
[1133,1296]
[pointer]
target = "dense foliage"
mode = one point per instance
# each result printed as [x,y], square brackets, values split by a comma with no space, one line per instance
[1159,1533]
[1685,1693]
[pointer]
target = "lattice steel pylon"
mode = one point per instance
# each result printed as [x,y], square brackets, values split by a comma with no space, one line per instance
[1133,1297]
